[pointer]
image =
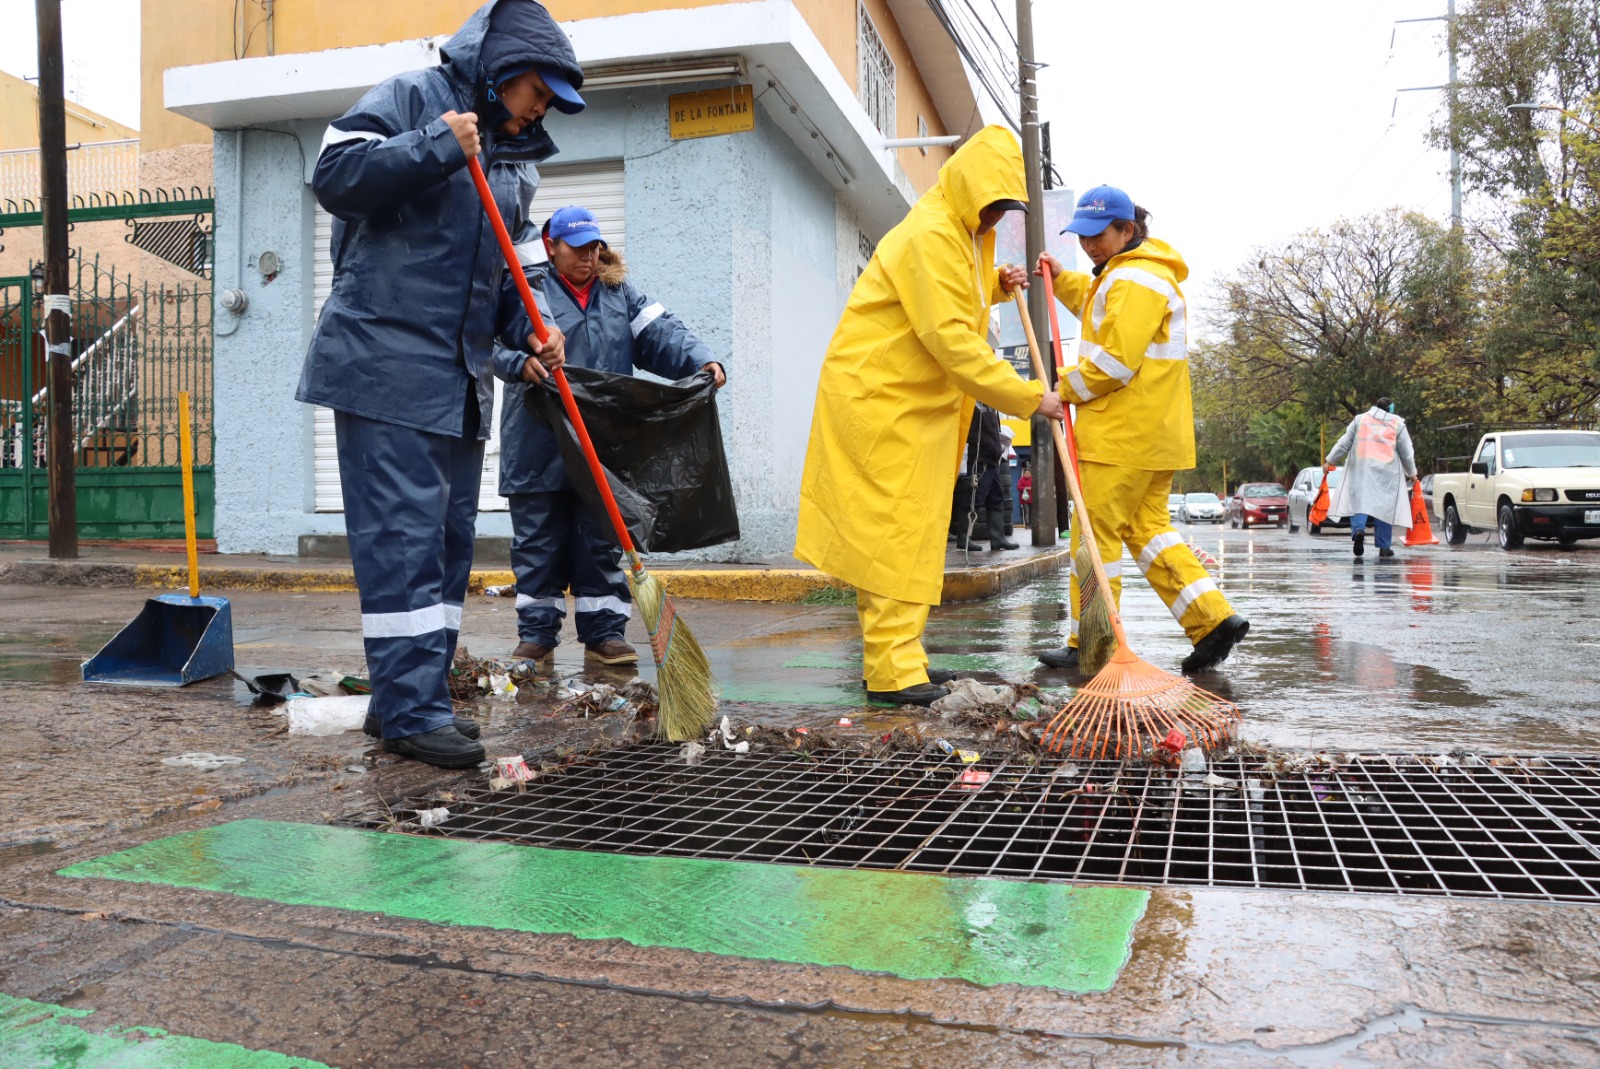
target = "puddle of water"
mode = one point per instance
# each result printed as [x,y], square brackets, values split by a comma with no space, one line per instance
[19,851]
[37,669]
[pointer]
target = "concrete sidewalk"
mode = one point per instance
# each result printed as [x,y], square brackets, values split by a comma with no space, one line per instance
[161,566]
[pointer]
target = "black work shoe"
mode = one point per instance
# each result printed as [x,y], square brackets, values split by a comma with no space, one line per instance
[1215,647]
[1065,657]
[937,676]
[1360,541]
[442,747]
[467,727]
[1386,552]
[921,694]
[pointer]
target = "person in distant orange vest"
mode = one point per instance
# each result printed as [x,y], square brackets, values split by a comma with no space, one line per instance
[1377,480]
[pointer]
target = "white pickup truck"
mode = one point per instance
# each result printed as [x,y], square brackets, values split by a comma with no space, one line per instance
[1525,484]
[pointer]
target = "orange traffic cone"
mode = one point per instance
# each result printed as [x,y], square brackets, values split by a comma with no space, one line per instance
[1421,533]
[1319,508]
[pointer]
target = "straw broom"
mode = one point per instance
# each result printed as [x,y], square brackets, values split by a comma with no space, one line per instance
[1130,705]
[684,685]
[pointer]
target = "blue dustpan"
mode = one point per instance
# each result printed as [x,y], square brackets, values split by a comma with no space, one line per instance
[176,639]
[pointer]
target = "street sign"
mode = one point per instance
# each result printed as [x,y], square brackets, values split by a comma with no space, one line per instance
[711,112]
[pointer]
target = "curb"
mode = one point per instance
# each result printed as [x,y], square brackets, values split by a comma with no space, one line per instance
[720,584]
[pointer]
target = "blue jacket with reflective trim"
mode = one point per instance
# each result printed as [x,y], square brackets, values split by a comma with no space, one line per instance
[621,329]
[420,291]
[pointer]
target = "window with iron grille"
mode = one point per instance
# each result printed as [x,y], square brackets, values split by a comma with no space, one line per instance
[874,73]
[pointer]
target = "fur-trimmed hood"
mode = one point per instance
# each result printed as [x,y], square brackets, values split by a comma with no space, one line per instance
[613,269]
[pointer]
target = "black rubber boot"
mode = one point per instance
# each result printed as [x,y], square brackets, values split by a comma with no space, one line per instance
[442,747]
[937,676]
[961,536]
[1065,657]
[469,728]
[1359,541]
[1215,647]
[920,694]
[997,533]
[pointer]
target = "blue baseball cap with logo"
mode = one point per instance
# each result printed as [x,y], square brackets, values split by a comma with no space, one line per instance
[576,225]
[563,97]
[1097,209]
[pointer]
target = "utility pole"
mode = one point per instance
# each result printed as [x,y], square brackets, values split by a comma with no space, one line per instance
[1044,489]
[62,463]
[1450,88]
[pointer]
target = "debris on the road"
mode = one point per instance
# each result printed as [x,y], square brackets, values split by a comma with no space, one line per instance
[845,721]
[692,753]
[201,761]
[504,590]
[512,769]
[971,779]
[969,696]
[1192,760]
[431,818]
[326,716]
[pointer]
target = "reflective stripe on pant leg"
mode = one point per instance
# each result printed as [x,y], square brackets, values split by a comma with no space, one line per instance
[396,499]
[1171,567]
[604,602]
[460,534]
[891,641]
[540,560]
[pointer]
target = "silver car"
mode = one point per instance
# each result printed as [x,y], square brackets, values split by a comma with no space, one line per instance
[1174,505]
[1202,508]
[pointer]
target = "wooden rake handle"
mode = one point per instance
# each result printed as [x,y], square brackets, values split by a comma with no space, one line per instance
[514,265]
[1066,457]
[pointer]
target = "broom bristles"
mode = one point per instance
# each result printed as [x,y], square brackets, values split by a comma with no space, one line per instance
[684,686]
[1131,705]
[1097,640]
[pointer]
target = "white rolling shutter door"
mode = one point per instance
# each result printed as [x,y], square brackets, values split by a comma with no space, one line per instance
[596,186]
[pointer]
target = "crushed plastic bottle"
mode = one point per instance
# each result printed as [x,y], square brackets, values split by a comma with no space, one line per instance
[1193,760]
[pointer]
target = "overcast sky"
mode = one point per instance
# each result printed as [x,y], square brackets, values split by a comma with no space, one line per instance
[1237,122]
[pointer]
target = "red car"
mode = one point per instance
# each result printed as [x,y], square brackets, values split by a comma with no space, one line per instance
[1259,505]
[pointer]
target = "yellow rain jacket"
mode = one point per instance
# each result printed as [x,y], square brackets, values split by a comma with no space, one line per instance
[897,384]
[1131,382]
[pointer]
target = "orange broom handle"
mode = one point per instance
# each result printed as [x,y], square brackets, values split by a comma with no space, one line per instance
[1071,473]
[514,265]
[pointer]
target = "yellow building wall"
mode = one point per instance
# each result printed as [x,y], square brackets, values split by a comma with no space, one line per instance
[180,33]
[19,118]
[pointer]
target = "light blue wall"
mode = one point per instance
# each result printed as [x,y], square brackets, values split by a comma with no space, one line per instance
[735,234]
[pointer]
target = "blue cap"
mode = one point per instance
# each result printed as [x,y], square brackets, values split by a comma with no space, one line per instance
[1097,209]
[565,98]
[576,225]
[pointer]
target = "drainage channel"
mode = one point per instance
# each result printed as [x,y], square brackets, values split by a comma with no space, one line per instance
[1523,828]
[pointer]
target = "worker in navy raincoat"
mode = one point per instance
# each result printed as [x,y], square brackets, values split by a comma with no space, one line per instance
[556,544]
[403,347]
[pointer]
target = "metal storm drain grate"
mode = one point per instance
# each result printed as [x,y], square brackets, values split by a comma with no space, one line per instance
[1527,828]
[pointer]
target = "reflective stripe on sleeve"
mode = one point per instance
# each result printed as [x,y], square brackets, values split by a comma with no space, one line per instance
[1187,596]
[1107,363]
[647,315]
[609,603]
[1155,547]
[530,253]
[335,136]
[1079,387]
[403,624]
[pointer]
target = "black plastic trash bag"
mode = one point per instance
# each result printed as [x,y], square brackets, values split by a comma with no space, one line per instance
[661,447]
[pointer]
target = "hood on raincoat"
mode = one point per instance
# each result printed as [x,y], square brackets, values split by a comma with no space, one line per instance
[524,35]
[987,168]
[1153,249]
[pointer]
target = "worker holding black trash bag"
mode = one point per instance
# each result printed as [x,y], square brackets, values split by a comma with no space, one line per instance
[557,543]
[401,351]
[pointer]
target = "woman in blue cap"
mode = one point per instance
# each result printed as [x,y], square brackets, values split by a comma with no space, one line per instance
[1135,419]
[402,349]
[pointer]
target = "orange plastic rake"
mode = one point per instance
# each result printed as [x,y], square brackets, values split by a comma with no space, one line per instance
[1130,705]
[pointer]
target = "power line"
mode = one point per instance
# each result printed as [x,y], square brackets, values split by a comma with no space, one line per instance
[1000,90]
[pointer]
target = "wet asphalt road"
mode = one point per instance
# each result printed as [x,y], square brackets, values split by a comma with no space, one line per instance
[1439,649]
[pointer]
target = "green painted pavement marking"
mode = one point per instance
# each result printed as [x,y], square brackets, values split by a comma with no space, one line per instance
[792,693]
[912,925]
[955,662]
[41,1036]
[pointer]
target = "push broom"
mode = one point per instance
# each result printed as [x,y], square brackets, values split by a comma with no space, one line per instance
[1130,705]
[683,675]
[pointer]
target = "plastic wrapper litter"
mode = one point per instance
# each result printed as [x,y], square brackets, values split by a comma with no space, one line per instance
[661,447]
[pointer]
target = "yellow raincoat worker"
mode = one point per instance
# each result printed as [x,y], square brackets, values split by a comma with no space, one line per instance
[895,397]
[1135,420]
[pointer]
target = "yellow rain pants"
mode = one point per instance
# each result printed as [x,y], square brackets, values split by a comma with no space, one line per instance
[891,641]
[1128,506]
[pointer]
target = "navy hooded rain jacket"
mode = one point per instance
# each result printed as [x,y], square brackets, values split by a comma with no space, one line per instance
[420,290]
[621,329]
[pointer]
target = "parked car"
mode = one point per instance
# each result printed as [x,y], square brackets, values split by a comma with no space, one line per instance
[1201,508]
[1427,495]
[1174,505]
[1525,484]
[1258,505]
[1303,494]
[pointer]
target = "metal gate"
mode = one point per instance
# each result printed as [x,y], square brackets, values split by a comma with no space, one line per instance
[136,343]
